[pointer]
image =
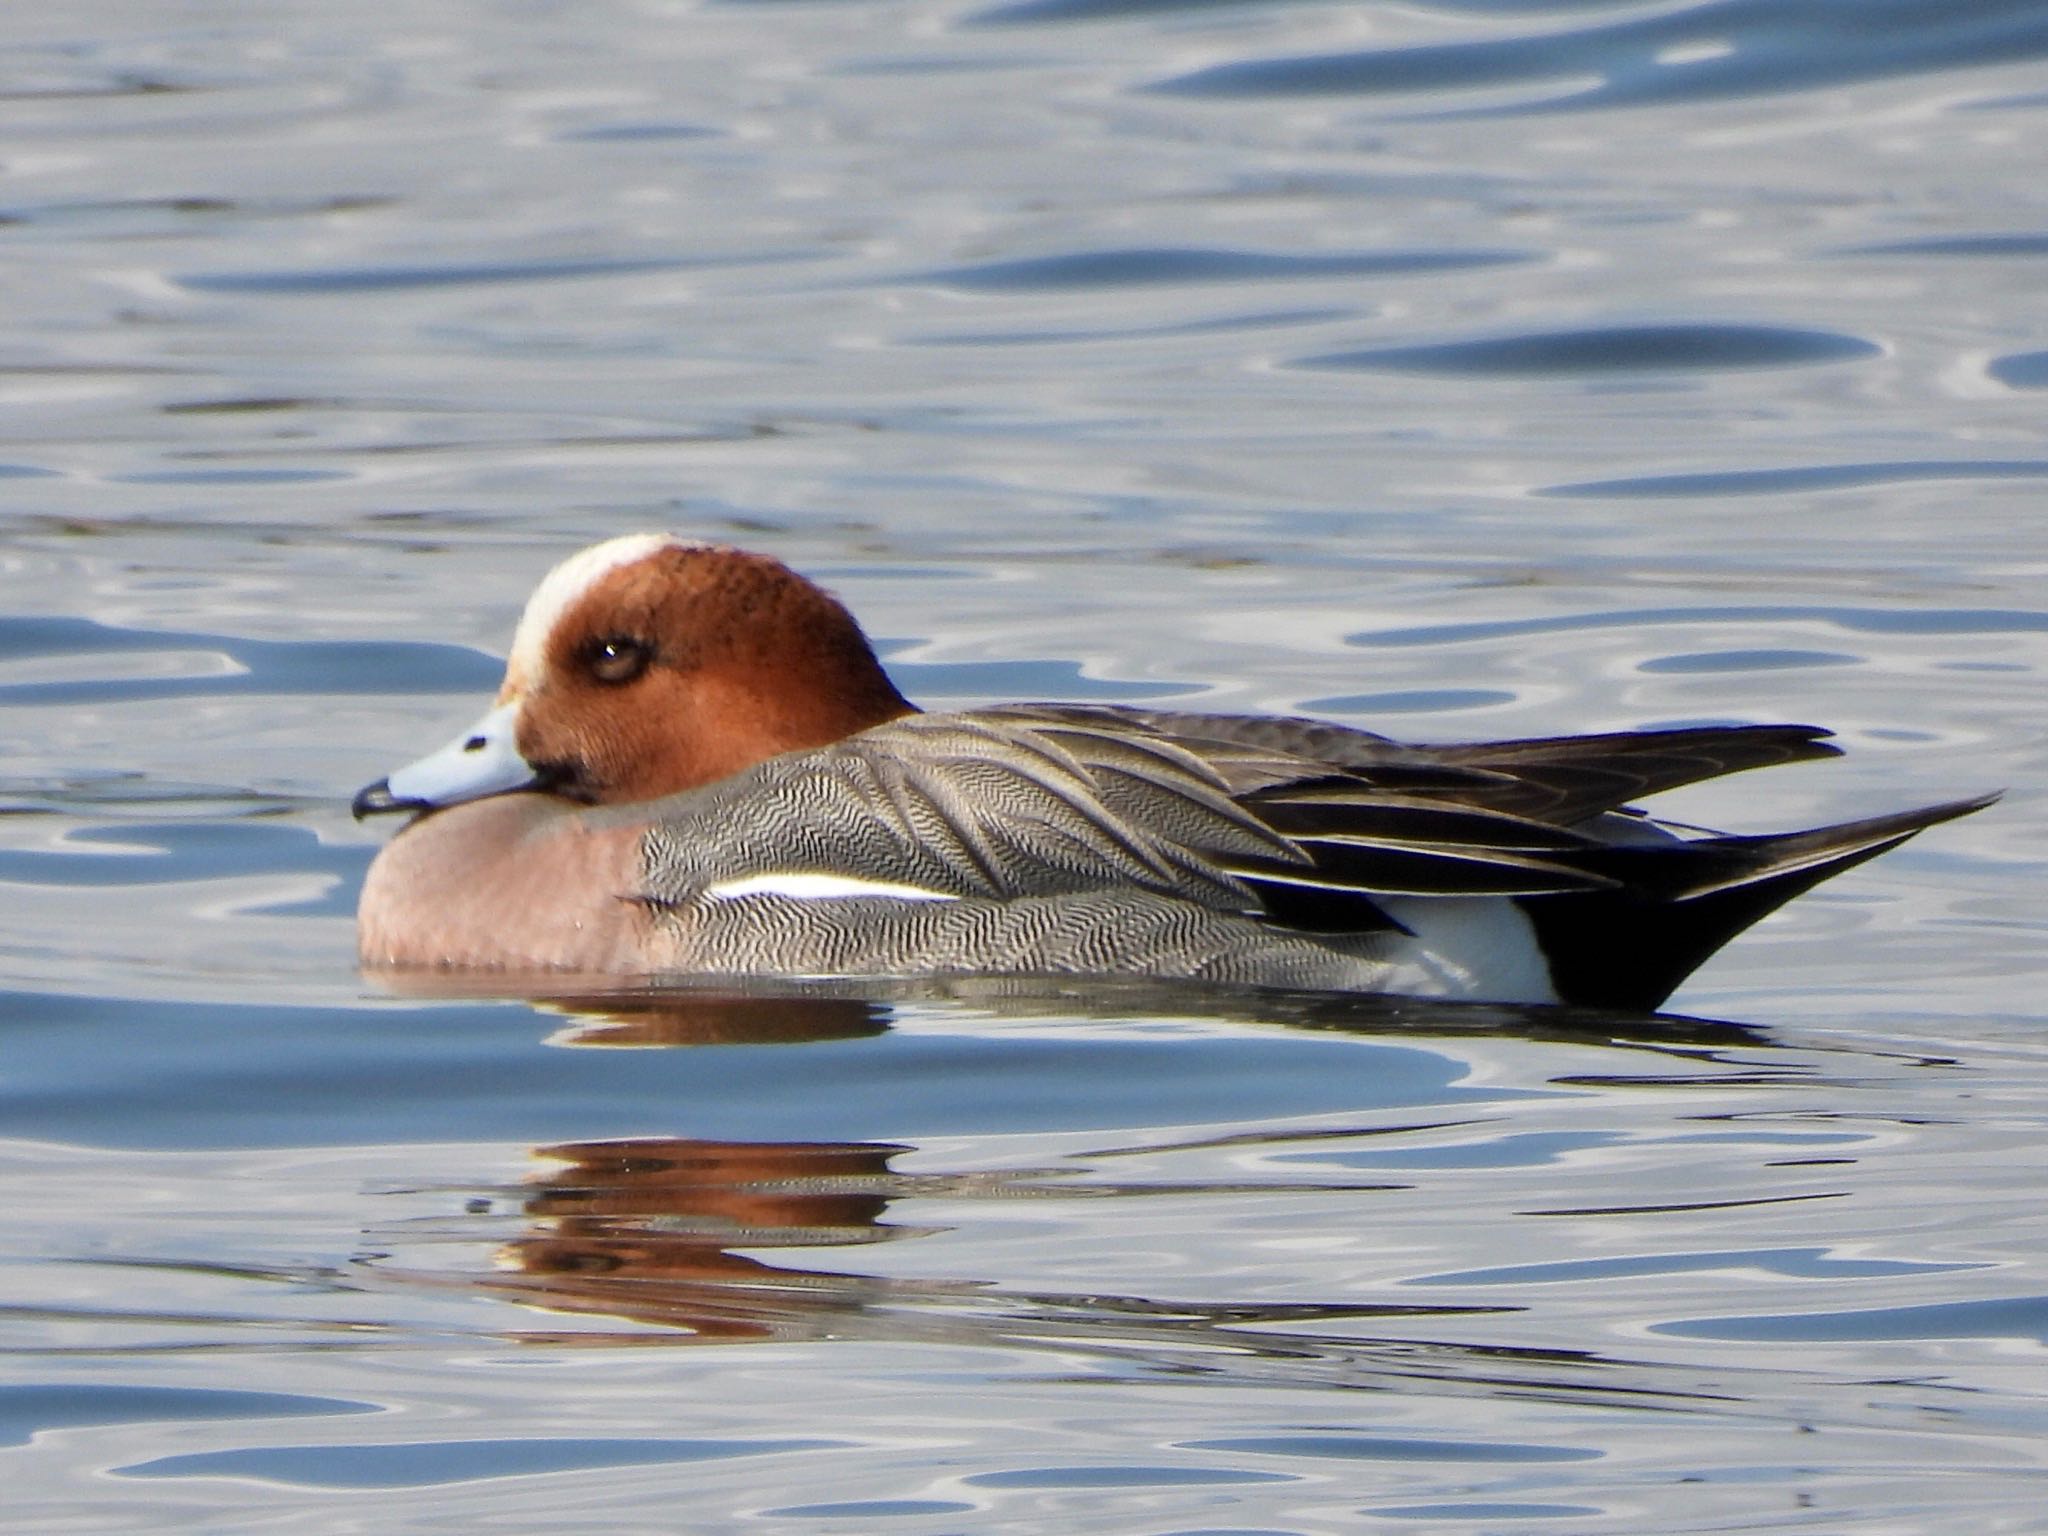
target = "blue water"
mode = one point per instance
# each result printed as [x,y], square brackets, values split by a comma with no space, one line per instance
[1480,368]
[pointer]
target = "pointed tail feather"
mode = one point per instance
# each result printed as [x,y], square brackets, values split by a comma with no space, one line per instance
[1631,948]
[1828,850]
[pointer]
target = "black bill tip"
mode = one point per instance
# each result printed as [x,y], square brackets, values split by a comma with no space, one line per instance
[377,800]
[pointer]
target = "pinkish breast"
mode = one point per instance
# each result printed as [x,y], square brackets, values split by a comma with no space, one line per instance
[511,882]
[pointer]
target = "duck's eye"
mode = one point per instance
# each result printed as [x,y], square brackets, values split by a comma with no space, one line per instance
[617,658]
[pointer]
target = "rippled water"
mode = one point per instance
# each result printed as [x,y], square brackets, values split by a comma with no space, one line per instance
[1488,367]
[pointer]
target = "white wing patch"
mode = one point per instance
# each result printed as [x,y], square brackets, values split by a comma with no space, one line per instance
[816,887]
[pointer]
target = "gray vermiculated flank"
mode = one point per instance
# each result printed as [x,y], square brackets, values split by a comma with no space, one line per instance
[1087,933]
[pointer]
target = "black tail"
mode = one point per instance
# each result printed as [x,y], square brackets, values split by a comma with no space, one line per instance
[1679,902]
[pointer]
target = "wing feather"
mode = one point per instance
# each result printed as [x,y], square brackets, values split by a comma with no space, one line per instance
[1305,820]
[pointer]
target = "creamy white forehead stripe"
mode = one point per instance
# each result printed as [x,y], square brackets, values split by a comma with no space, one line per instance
[567,582]
[816,887]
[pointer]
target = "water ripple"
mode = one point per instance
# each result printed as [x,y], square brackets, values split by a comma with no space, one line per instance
[1059,11]
[2021,370]
[27,1409]
[384,279]
[423,1463]
[1381,1448]
[1608,349]
[1880,621]
[1794,1263]
[256,666]
[1048,336]
[2003,1317]
[640,133]
[1167,265]
[1753,660]
[1805,477]
[1700,52]
[1957,245]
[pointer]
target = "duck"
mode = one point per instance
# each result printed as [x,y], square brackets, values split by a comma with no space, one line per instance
[697,767]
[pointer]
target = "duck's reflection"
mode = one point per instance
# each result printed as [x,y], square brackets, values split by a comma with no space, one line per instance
[666,1237]
[692,1240]
[673,1233]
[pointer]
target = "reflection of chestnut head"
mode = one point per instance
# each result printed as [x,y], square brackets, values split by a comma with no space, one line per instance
[644,1229]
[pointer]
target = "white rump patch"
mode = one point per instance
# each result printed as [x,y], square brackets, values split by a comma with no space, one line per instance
[561,588]
[1480,947]
[815,887]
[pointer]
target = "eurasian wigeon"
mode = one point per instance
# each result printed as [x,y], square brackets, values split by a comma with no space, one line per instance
[696,766]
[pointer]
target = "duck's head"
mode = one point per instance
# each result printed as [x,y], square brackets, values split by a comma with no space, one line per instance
[652,664]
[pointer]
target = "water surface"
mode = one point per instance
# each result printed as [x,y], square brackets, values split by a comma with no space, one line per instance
[1482,368]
